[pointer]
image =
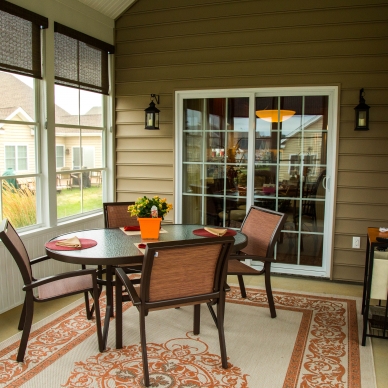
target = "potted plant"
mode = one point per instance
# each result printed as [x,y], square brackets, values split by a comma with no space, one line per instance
[150,212]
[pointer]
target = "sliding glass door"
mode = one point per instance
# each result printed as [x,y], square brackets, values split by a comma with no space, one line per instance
[265,148]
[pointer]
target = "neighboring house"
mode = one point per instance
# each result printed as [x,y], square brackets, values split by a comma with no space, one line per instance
[17,141]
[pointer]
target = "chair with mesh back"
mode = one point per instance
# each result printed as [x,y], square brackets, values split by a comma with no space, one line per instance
[178,273]
[263,227]
[116,215]
[48,288]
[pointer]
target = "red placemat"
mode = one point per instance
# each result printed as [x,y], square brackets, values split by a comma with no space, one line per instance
[85,243]
[132,228]
[204,233]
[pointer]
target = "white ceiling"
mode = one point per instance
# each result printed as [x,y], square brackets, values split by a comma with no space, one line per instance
[111,8]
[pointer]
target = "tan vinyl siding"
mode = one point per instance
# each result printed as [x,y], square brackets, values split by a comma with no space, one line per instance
[173,45]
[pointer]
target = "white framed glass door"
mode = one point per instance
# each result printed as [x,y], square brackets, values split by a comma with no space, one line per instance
[274,148]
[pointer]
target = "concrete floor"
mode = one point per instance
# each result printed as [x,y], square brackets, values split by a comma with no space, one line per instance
[10,319]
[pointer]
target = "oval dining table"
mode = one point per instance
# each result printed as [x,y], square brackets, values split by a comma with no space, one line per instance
[115,247]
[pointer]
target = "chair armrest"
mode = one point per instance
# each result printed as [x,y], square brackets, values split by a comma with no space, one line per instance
[39,259]
[128,285]
[61,276]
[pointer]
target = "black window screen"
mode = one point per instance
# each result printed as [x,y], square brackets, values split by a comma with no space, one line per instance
[81,61]
[20,40]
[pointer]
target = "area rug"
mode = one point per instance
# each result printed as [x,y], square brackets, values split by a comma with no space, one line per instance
[313,342]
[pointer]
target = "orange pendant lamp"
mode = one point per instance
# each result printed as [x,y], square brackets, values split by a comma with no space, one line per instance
[274,116]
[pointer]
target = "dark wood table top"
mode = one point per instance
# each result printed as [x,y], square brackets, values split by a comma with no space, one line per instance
[114,247]
[374,232]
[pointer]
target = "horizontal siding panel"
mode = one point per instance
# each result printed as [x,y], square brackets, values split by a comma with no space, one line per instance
[350,96]
[143,26]
[358,227]
[346,258]
[343,242]
[125,41]
[153,143]
[363,196]
[259,80]
[145,185]
[125,130]
[376,130]
[138,116]
[348,273]
[377,113]
[151,6]
[364,163]
[362,212]
[134,171]
[361,179]
[124,196]
[141,102]
[144,157]
[295,66]
[252,53]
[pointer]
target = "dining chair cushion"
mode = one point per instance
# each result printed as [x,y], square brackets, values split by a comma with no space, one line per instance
[65,286]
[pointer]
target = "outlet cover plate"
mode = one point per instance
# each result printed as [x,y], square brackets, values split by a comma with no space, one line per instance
[356,243]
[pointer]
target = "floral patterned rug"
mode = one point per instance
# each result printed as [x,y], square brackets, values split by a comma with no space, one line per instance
[313,342]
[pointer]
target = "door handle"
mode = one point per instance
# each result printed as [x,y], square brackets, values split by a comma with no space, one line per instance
[324,181]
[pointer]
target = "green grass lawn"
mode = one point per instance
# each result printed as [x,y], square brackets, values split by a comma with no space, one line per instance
[19,205]
[69,201]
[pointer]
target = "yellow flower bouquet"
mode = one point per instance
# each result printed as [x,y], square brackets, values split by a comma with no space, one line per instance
[143,207]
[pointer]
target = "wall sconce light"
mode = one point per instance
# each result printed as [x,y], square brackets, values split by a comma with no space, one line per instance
[152,114]
[67,151]
[362,114]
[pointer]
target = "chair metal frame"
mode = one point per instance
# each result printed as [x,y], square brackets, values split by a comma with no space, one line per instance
[19,252]
[145,302]
[236,267]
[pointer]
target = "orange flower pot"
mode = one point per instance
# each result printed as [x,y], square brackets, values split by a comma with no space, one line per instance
[149,228]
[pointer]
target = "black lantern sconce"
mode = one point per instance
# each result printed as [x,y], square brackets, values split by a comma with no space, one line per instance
[362,114]
[152,114]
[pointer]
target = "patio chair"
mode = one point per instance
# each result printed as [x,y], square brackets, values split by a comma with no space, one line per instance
[48,288]
[116,216]
[263,227]
[179,273]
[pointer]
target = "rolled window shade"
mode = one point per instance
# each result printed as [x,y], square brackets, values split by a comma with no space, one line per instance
[20,40]
[81,61]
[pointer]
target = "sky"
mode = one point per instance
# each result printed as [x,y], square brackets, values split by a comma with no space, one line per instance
[67,98]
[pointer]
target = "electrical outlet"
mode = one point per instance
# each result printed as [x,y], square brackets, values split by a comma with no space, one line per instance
[356,242]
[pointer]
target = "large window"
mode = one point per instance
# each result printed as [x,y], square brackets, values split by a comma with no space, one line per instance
[28,149]
[19,167]
[81,78]
[80,131]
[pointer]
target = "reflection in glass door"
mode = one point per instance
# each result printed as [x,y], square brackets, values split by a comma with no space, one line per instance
[214,162]
[290,171]
[264,150]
